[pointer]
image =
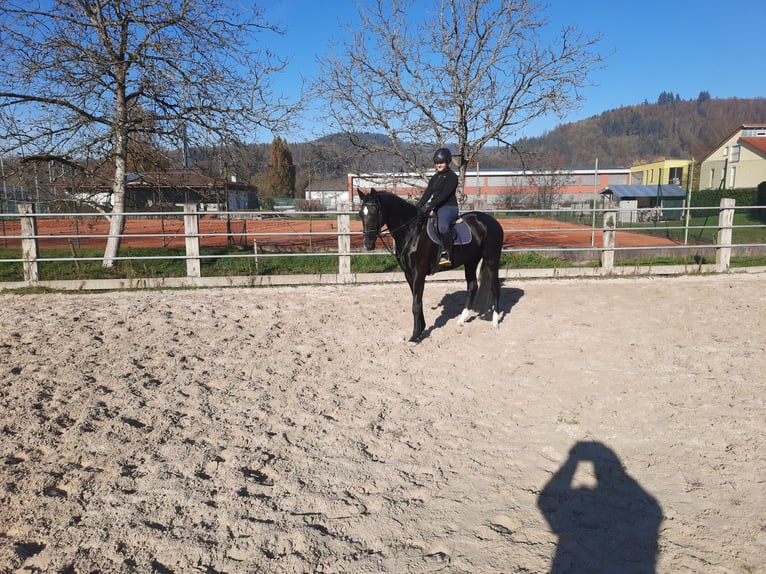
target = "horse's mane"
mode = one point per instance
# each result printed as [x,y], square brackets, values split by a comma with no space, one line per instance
[389,198]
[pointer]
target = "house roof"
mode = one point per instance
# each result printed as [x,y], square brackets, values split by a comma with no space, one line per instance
[172,179]
[758,144]
[180,179]
[739,128]
[669,191]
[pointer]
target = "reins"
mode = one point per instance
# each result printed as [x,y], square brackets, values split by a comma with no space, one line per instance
[391,233]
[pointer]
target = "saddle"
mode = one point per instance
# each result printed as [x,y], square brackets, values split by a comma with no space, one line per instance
[461,233]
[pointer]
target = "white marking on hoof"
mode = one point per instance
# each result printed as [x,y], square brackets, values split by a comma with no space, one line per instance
[463,317]
[495,319]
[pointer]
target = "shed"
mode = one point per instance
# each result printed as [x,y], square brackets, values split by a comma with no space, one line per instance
[636,203]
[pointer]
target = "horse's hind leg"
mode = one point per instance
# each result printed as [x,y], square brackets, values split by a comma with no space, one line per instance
[492,274]
[496,300]
[472,287]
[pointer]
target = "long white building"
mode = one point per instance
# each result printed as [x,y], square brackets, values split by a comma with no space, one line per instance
[505,188]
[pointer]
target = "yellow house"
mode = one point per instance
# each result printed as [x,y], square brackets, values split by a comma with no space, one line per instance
[739,161]
[665,172]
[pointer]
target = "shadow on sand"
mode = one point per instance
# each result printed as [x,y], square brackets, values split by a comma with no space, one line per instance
[606,527]
[451,307]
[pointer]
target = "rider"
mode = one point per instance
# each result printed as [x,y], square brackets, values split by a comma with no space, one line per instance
[440,197]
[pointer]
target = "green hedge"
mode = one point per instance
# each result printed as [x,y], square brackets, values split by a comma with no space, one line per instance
[712,198]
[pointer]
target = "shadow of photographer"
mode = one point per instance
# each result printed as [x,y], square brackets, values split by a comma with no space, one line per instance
[608,526]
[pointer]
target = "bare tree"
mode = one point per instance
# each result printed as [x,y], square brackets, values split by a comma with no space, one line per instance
[475,72]
[74,69]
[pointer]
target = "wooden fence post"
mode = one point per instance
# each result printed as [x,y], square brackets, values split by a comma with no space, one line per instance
[344,245]
[191,237]
[607,251]
[29,251]
[723,243]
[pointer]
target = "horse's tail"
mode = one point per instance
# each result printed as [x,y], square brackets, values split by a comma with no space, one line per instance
[488,295]
[482,302]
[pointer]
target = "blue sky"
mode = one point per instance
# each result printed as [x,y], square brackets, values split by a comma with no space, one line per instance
[678,46]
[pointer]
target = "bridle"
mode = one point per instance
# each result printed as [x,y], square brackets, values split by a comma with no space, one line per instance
[379,228]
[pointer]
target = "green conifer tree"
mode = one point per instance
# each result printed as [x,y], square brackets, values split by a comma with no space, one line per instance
[281,170]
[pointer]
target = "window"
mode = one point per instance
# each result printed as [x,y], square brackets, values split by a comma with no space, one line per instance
[732,177]
[712,179]
[676,175]
[735,149]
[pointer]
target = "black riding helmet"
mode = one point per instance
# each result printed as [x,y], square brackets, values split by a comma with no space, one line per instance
[442,155]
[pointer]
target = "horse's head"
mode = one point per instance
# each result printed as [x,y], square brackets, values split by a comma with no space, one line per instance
[372,217]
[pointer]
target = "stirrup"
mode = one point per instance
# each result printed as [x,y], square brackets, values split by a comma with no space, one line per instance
[444,260]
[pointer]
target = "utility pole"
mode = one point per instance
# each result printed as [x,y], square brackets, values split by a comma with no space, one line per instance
[593,206]
[688,201]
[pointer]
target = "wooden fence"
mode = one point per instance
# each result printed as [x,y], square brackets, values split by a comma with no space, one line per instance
[602,250]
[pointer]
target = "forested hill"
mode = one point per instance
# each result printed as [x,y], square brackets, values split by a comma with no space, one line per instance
[671,128]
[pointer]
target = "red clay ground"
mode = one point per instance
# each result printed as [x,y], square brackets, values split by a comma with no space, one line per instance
[289,234]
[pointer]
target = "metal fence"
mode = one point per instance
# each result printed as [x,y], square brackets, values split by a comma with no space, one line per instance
[593,243]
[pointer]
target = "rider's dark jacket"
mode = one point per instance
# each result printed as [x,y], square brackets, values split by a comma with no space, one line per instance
[440,191]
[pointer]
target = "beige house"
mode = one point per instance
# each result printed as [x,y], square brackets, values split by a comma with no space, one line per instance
[739,162]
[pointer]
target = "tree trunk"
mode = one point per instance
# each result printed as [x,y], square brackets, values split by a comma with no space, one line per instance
[117,217]
[461,184]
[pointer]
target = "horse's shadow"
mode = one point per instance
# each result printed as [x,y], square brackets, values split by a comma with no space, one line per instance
[451,307]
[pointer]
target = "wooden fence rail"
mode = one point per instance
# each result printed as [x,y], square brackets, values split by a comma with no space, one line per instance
[191,236]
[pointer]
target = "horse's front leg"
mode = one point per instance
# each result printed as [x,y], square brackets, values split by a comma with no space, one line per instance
[419,321]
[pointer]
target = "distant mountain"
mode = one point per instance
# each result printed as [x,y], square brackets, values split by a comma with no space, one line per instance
[344,140]
[629,135]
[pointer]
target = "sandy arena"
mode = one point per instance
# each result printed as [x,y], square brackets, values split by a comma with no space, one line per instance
[612,425]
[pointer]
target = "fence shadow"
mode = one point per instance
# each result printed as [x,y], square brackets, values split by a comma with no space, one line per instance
[452,306]
[610,526]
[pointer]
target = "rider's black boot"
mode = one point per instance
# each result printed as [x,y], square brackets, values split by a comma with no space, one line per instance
[446,258]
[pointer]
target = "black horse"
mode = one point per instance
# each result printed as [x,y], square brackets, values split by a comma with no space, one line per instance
[418,254]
